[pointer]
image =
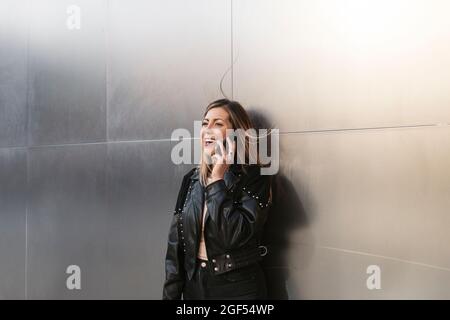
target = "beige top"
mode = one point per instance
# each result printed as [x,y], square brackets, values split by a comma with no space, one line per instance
[202,249]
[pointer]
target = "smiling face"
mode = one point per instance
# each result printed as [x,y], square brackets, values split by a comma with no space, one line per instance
[214,126]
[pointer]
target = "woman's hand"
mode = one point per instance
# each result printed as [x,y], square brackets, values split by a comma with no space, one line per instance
[222,161]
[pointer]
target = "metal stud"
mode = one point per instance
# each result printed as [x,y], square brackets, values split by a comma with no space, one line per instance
[216,269]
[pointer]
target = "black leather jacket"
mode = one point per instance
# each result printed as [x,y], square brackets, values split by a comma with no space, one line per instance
[237,209]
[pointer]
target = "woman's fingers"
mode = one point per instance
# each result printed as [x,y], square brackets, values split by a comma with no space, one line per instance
[224,157]
[220,162]
[222,151]
[215,159]
[231,147]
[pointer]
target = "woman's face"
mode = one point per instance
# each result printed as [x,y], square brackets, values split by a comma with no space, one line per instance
[214,126]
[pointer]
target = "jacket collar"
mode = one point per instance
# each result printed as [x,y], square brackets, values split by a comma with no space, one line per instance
[232,175]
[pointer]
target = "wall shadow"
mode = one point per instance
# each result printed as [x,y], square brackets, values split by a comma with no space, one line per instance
[286,216]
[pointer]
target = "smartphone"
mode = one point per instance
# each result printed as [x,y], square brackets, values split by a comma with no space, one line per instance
[224,143]
[218,150]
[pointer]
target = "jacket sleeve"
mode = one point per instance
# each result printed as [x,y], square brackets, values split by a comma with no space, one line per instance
[236,223]
[174,282]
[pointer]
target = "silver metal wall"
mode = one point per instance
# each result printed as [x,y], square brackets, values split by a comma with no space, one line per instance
[360,93]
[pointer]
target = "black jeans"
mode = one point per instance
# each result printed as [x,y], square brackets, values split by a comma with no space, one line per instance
[247,283]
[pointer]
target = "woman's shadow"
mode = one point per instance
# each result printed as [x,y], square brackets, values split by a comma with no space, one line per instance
[286,215]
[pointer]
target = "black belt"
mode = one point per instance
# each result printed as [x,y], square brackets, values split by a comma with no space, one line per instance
[235,260]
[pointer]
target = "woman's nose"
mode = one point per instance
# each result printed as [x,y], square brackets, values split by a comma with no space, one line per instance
[209,129]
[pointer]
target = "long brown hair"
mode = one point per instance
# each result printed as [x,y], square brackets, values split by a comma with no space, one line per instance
[239,119]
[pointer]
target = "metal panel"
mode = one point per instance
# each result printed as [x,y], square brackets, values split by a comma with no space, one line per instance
[13,191]
[331,274]
[166,60]
[382,192]
[142,190]
[67,221]
[67,72]
[349,199]
[13,73]
[327,64]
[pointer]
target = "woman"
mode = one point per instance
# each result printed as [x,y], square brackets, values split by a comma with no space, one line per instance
[213,250]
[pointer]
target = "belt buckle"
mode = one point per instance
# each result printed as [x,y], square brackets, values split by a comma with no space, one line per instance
[265,251]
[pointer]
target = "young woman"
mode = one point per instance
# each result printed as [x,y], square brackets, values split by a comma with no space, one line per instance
[213,249]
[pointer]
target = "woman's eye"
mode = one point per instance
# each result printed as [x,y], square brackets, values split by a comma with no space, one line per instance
[204,124]
[219,124]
